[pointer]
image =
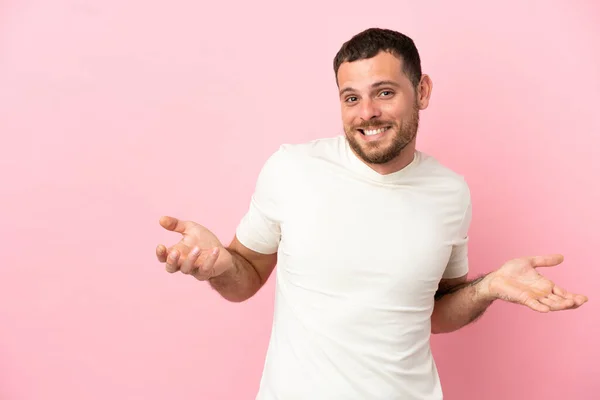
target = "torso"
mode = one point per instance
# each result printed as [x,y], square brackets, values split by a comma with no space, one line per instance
[360,259]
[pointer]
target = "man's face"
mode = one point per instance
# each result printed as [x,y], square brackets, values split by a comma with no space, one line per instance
[380,107]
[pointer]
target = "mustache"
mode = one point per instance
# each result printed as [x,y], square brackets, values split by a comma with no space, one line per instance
[373,125]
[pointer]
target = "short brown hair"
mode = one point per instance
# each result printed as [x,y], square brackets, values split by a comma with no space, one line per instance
[370,42]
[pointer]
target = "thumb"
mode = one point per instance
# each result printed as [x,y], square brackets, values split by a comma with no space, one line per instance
[547,260]
[174,224]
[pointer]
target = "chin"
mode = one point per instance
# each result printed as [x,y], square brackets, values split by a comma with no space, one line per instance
[382,157]
[376,152]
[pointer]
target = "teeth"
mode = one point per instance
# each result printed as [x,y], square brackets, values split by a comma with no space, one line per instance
[374,131]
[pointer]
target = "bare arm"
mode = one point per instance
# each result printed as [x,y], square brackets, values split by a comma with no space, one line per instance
[458,302]
[248,272]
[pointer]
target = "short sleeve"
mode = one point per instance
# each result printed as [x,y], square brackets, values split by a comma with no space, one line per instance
[458,264]
[259,229]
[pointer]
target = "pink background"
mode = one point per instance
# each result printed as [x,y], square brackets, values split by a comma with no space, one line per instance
[113,113]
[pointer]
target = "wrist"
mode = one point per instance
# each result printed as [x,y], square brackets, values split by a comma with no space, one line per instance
[483,292]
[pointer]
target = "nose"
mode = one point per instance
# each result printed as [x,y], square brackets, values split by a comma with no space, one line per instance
[369,110]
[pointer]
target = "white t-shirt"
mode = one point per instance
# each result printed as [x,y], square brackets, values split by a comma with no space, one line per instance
[360,256]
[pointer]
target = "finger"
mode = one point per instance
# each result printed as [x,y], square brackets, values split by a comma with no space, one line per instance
[557,303]
[161,253]
[561,292]
[546,261]
[207,270]
[173,262]
[210,261]
[562,302]
[173,224]
[188,266]
[536,305]
[578,299]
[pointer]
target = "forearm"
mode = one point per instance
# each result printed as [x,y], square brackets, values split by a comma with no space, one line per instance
[240,282]
[459,306]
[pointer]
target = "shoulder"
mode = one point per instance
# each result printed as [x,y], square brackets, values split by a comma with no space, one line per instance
[291,161]
[322,147]
[445,179]
[290,155]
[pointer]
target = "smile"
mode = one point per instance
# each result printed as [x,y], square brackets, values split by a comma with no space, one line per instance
[371,132]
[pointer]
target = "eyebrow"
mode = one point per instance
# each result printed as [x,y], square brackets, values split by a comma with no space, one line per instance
[375,85]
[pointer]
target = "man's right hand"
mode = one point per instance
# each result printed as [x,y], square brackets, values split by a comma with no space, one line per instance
[199,252]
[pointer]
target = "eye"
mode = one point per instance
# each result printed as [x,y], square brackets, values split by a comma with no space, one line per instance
[351,99]
[386,93]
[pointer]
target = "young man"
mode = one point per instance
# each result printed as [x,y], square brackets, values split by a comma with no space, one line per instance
[370,238]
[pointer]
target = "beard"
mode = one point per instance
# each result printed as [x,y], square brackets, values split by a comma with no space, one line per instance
[378,153]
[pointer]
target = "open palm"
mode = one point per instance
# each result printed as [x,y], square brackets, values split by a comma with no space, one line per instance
[197,253]
[518,281]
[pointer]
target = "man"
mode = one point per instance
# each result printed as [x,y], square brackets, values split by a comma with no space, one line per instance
[370,238]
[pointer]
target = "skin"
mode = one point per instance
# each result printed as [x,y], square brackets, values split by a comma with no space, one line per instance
[235,271]
[376,93]
[373,93]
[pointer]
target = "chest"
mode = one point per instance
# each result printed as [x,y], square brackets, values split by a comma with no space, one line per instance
[343,237]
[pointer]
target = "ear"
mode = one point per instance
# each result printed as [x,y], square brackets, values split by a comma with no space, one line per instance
[424,91]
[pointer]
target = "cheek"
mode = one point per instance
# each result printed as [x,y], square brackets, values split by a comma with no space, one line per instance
[348,117]
[395,112]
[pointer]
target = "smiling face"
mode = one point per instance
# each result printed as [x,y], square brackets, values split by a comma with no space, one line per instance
[380,110]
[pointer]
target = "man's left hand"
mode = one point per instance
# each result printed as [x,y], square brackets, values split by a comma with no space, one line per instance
[518,281]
